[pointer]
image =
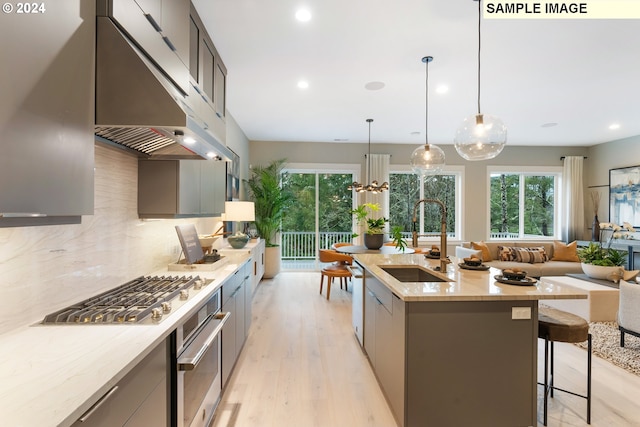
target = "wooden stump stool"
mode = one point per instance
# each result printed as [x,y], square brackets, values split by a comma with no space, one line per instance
[559,326]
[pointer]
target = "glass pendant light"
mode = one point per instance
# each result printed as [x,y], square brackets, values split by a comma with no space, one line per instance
[373,187]
[480,136]
[427,159]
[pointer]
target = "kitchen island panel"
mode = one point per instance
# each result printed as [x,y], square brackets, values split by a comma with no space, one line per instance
[470,363]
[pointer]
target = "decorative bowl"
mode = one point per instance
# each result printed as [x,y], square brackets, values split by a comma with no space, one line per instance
[474,262]
[510,274]
[207,240]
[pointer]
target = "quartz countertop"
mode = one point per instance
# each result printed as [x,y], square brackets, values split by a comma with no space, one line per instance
[50,375]
[461,284]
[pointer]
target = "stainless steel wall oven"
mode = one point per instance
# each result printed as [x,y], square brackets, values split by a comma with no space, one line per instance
[197,365]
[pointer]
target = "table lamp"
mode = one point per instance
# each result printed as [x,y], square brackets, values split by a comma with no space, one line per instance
[239,212]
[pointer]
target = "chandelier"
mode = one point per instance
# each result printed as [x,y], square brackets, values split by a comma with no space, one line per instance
[373,187]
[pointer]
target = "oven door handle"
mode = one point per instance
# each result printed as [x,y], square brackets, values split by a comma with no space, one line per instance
[193,354]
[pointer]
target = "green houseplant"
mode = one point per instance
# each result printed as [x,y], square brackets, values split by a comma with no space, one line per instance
[270,201]
[603,262]
[374,233]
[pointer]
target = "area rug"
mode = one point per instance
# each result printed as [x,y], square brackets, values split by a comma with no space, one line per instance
[606,344]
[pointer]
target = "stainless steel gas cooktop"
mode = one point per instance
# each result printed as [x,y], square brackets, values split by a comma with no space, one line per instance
[143,300]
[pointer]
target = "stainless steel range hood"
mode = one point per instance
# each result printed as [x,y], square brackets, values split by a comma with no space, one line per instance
[139,108]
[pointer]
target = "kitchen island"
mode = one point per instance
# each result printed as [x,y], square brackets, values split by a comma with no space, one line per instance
[454,348]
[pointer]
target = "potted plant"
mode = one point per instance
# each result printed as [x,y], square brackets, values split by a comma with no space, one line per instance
[270,201]
[599,262]
[374,234]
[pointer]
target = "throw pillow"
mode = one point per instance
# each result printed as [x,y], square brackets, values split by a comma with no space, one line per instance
[508,253]
[486,253]
[565,252]
[539,253]
[530,256]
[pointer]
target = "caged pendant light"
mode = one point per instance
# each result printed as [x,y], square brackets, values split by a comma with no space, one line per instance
[480,136]
[427,159]
[373,187]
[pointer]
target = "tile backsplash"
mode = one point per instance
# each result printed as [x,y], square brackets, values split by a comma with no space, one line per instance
[43,269]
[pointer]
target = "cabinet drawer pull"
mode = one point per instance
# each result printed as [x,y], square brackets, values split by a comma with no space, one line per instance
[98,404]
[153,22]
[168,42]
[193,354]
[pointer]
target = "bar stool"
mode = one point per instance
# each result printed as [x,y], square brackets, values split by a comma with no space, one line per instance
[559,326]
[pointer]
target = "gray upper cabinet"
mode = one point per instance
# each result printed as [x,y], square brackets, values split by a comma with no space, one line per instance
[207,92]
[46,115]
[181,188]
[160,28]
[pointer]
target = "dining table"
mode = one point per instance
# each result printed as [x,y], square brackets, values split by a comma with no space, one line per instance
[361,249]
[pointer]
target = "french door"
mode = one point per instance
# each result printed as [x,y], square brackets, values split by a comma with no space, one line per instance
[318,217]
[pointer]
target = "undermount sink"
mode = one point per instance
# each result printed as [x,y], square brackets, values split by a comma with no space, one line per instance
[411,273]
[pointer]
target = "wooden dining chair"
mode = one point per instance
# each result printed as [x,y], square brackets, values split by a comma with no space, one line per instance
[337,268]
[339,244]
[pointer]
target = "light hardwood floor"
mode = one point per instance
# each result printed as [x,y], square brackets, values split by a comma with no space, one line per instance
[302,366]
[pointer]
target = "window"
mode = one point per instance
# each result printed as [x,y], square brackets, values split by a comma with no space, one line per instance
[320,214]
[406,188]
[524,205]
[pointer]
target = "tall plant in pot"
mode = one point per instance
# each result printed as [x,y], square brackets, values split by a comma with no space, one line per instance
[374,233]
[270,201]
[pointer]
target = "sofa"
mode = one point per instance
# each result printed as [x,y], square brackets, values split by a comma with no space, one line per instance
[537,258]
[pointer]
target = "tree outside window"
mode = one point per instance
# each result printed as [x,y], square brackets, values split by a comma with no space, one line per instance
[523,205]
[407,188]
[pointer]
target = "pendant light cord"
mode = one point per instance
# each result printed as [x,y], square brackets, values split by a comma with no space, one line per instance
[426,102]
[479,44]
[369,156]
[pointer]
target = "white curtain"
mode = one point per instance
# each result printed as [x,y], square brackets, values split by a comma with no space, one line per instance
[379,172]
[573,199]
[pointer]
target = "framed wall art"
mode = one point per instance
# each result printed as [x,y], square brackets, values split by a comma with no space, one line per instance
[624,195]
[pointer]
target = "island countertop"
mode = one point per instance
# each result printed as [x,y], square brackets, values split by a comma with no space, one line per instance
[460,284]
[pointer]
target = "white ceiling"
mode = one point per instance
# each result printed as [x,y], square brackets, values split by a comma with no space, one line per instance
[583,75]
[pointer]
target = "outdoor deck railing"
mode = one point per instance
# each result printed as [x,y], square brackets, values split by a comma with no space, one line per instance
[302,244]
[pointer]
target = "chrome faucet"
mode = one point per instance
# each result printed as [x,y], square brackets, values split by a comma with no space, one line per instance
[443,231]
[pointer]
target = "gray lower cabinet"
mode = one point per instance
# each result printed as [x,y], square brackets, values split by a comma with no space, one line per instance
[238,303]
[384,339]
[138,400]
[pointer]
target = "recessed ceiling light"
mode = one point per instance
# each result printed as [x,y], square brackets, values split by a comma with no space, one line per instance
[442,89]
[374,85]
[614,126]
[549,125]
[189,140]
[303,15]
[303,84]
